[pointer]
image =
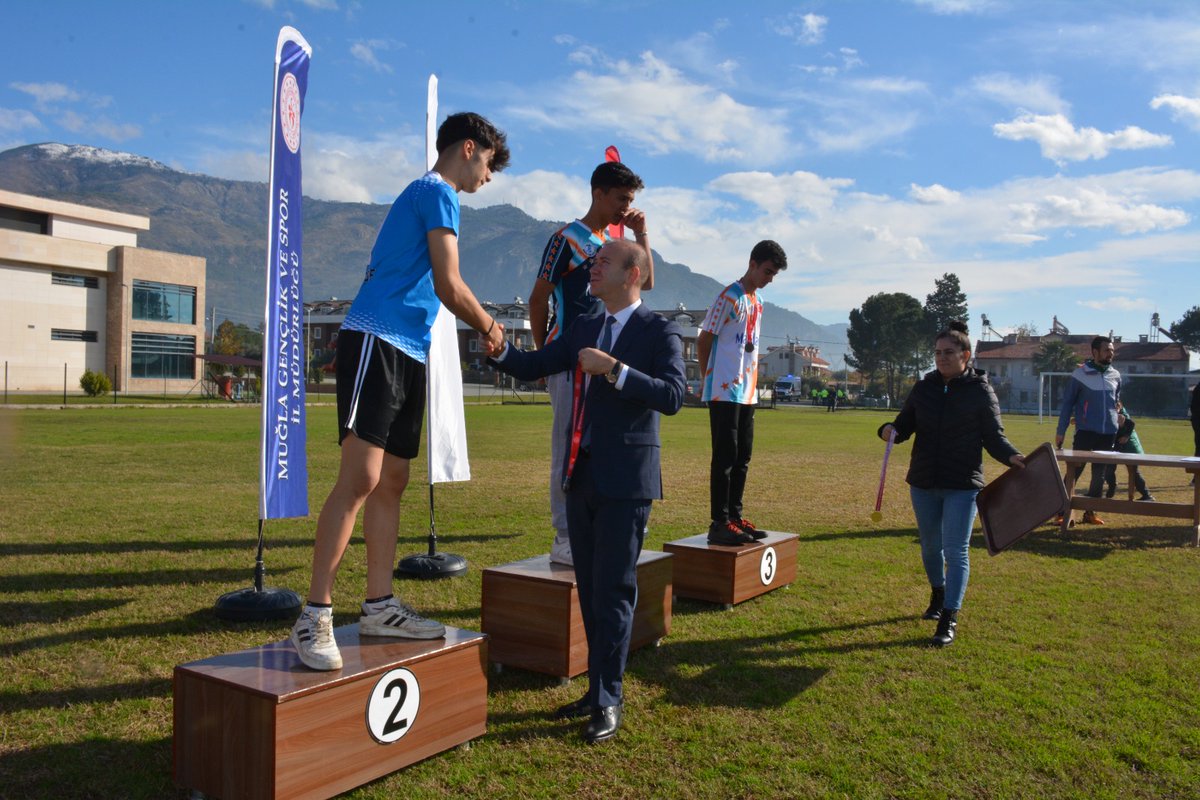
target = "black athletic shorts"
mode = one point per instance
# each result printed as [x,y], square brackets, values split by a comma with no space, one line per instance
[380,393]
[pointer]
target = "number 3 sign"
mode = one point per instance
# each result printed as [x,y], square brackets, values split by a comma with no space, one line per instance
[766,567]
[393,705]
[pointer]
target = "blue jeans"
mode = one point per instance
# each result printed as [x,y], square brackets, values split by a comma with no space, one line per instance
[944,520]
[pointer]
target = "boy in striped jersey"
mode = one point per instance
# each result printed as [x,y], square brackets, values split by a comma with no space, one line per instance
[728,350]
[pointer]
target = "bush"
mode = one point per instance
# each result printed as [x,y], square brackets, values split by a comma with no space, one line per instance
[95,384]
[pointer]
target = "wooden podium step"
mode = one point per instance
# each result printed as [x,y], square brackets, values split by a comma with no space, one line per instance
[728,574]
[259,724]
[531,613]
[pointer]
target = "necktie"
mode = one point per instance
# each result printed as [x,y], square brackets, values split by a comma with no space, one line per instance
[606,337]
[605,345]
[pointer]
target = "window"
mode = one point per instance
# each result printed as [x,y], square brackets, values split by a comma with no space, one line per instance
[163,355]
[61,335]
[164,302]
[67,279]
[18,219]
[316,332]
[472,345]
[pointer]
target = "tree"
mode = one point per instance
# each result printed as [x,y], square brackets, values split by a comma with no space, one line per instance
[946,304]
[887,335]
[228,339]
[1026,329]
[1055,355]
[1186,329]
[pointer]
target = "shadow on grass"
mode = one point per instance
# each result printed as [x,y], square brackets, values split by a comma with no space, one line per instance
[39,581]
[65,698]
[867,533]
[197,623]
[93,768]
[1092,543]
[755,671]
[146,545]
[17,613]
[449,541]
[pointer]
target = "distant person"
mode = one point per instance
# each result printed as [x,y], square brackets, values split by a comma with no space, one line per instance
[1127,442]
[727,348]
[1091,397]
[382,350]
[954,414]
[833,398]
[561,293]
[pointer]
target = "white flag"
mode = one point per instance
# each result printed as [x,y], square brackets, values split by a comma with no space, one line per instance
[443,375]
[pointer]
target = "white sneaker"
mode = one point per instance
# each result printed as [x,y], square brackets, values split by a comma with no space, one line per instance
[312,636]
[560,552]
[397,619]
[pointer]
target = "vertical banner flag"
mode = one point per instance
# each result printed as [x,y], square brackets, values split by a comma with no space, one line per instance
[283,488]
[443,373]
[611,154]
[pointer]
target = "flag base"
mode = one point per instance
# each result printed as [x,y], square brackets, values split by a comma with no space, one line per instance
[429,566]
[254,605]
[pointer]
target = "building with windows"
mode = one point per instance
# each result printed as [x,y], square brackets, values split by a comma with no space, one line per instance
[1011,371]
[80,294]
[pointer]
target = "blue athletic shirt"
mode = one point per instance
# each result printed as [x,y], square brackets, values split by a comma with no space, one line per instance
[396,301]
[567,263]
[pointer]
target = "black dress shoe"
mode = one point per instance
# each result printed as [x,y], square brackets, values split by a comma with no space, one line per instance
[603,725]
[580,708]
[947,627]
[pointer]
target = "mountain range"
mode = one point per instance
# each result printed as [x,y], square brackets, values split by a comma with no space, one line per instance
[224,222]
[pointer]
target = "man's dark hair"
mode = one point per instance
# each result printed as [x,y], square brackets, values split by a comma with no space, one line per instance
[469,125]
[767,250]
[615,175]
[1100,341]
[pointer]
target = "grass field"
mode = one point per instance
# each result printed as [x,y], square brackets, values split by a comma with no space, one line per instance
[1075,674]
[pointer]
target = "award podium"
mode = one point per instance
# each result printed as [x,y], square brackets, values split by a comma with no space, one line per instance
[532,618]
[731,574]
[259,724]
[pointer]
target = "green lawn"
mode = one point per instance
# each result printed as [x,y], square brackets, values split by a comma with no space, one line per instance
[1075,674]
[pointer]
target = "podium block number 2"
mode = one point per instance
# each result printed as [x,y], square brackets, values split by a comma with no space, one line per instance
[393,705]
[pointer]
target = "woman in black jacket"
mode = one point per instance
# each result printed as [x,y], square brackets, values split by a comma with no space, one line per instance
[954,413]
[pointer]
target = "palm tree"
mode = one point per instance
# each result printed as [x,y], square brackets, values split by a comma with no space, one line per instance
[1055,356]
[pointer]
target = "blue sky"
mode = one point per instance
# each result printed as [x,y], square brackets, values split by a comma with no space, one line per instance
[1045,152]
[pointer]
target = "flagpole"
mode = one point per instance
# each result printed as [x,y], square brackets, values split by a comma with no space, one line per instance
[283,467]
[441,377]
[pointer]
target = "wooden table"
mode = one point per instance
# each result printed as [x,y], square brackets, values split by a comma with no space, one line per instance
[1128,505]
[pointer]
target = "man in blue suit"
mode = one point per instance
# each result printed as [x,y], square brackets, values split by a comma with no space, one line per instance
[628,369]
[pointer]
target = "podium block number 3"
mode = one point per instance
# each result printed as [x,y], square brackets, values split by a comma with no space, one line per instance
[767,567]
[393,705]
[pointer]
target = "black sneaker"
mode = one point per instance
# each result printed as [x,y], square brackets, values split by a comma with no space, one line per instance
[1147,498]
[1110,491]
[725,532]
[747,527]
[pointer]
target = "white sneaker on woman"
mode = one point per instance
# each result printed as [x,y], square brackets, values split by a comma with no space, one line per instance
[312,636]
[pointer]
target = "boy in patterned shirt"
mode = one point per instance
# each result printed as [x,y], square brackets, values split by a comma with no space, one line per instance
[728,350]
[561,293]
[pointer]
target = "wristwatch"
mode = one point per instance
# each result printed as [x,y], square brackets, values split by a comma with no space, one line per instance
[614,373]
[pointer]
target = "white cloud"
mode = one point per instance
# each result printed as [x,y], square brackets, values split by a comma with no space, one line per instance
[807,28]
[321,5]
[1061,141]
[1088,208]
[1183,109]
[653,105]
[47,94]
[336,167]
[541,194]
[1039,95]
[16,119]
[99,126]
[365,53]
[1120,303]
[935,194]
[949,7]
[794,192]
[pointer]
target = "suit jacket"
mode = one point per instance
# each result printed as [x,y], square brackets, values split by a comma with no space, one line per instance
[624,424]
